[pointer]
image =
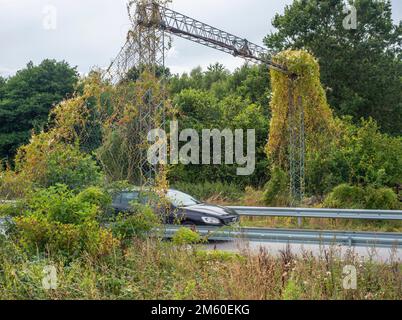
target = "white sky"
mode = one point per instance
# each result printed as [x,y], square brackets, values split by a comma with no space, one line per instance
[90,32]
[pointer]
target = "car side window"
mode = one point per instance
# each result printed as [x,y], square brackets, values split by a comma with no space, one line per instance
[117,199]
[128,197]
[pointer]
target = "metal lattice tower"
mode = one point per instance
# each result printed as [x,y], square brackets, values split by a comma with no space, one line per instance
[297,148]
[146,46]
[144,50]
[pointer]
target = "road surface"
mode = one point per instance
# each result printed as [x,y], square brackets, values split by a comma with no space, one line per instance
[377,254]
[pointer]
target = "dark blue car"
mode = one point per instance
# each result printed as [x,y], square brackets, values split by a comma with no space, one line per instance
[181,208]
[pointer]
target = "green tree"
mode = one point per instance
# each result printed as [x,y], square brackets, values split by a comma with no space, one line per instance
[253,83]
[248,82]
[217,98]
[361,68]
[198,109]
[135,73]
[26,99]
[2,84]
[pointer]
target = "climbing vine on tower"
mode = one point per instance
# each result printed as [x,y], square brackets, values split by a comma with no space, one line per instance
[304,77]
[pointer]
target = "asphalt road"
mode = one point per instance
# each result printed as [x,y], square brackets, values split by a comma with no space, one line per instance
[364,253]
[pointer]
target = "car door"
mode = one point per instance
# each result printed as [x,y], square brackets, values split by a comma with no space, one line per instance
[122,203]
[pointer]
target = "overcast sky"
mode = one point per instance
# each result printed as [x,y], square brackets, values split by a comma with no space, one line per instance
[90,33]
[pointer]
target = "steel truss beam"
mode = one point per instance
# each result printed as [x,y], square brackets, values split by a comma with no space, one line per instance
[146,46]
[175,23]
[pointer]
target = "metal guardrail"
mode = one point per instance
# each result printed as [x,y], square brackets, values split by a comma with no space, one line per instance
[357,239]
[349,238]
[308,212]
[319,213]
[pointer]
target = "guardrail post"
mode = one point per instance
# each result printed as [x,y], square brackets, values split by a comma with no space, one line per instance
[299,220]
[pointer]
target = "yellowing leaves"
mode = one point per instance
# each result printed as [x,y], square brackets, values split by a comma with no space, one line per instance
[318,117]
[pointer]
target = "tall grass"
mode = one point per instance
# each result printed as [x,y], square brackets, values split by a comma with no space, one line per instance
[150,269]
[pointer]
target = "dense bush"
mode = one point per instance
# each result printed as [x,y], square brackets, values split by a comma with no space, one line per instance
[72,168]
[355,197]
[360,155]
[13,185]
[186,236]
[60,204]
[138,224]
[47,163]
[11,209]
[56,220]
[95,196]
[39,235]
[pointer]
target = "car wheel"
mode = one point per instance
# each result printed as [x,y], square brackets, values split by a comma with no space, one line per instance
[190,225]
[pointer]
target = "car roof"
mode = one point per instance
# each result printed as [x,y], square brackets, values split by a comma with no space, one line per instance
[146,189]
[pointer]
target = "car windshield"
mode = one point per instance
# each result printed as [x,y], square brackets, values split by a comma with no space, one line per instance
[180,199]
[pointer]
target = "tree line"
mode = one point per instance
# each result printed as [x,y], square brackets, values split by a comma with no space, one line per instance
[361,70]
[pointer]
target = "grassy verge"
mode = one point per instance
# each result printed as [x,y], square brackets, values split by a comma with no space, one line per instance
[152,269]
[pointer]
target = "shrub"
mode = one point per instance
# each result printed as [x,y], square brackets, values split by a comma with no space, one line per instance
[11,209]
[39,235]
[13,185]
[96,196]
[72,168]
[46,163]
[361,155]
[382,198]
[59,204]
[35,234]
[276,190]
[354,197]
[186,236]
[218,256]
[57,220]
[139,224]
